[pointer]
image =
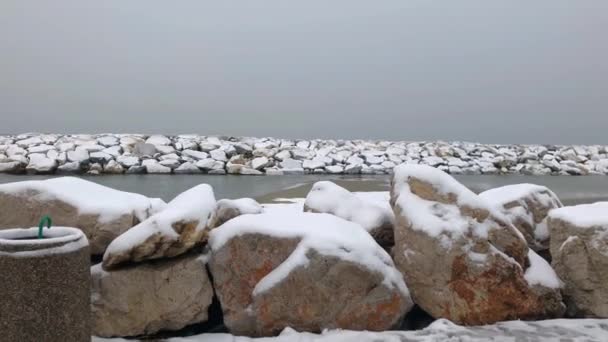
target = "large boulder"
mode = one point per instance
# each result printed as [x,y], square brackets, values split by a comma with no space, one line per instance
[227,209]
[306,271]
[462,259]
[175,230]
[527,207]
[142,300]
[375,216]
[100,212]
[579,246]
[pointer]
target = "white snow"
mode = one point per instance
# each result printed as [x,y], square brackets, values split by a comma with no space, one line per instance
[328,197]
[540,272]
[557,330]
[71,239]
[89,197]
[584,215]
[437,218]
[499,197]
[327,234]
[515,192]
[244,205]
[441,181]
[197,203]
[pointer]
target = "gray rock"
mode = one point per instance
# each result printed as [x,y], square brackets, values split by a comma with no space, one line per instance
[152,166]
[219,155]
[144,149]
[113,167]
[187,168]
[137,169]
[80,156]
[260,163]
[69,167]
[148,298]
[128,161]
[579,247]
[40,164]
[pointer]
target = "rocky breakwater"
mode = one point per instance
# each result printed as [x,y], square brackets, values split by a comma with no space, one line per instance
[193,154]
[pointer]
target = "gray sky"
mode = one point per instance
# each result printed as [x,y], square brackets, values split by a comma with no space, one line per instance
[492,71]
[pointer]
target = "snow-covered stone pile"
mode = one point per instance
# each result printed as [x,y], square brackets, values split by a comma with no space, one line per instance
[191,154]
[276,268]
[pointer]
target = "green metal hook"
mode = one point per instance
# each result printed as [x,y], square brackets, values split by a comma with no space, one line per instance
[45,219]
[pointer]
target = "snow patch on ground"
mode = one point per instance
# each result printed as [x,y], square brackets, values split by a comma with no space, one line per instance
[557,330]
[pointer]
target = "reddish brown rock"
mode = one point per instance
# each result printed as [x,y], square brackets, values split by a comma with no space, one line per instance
[461,258]
[266,283]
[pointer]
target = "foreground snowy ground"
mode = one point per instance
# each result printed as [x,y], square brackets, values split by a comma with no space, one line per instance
[562,330]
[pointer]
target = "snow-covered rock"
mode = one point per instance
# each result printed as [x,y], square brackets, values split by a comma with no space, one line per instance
[79,156]
[218,155]
[100,212]
[209,164]
[113,167]
[128,161]
[527,207]
[579,247]
[41,149]
[180,226]
[260,163]
[148,298]
[141,149]
[334,169]
[107,141]
[158,140]
[273,271]
[187,168]
[462,259]
[197,155]
[153,166]
[40,164]
[9,166]
[376,218]
[228,209]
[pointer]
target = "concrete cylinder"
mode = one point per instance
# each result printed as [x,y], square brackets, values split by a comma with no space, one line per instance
[44,285]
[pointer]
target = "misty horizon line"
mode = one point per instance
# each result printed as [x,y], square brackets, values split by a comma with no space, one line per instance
[241,136]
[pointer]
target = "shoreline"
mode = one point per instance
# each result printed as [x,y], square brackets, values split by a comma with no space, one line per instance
[33,153]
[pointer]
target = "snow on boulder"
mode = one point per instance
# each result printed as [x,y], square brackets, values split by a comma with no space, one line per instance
[151,297]
[227,209]
[579,246]
[159,140]
[100,212]
[376,218]
[307,271]
[463,260]
[40,164]
[527,207]
[171,232]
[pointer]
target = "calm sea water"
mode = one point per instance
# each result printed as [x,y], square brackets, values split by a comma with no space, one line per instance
[570,189]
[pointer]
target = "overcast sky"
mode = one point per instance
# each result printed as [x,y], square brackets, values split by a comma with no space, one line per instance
[508,71]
